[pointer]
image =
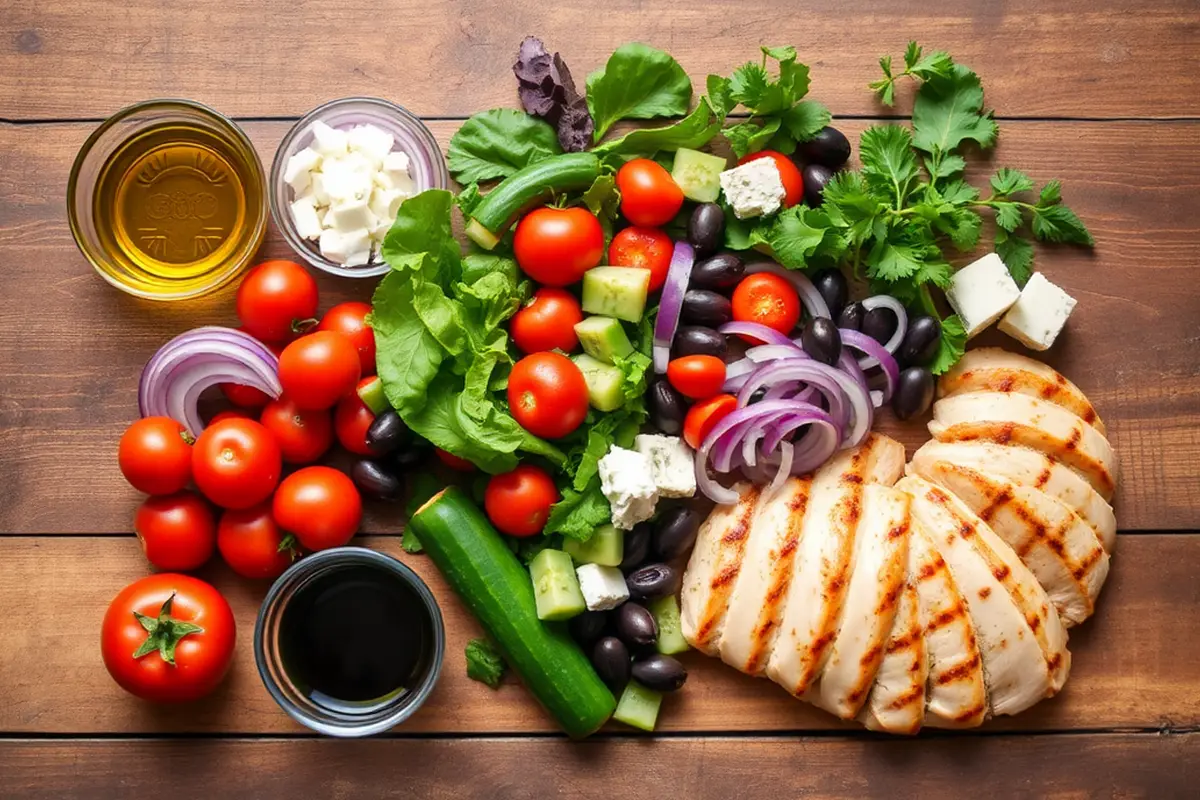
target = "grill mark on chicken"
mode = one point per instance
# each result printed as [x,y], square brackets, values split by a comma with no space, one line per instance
[1006,384]
[904,642]
[1043,478]
[733,544]
[971,714]
[963,671]
[898,531]
[852,478]
[889,600]
[1073,441]
[946,616]
[781,575]
[996,500]
[915,694]
[1034,622]
[726,576]
[1001,572]
[870,657]
[1089,416]
[1054,661]
[985,592]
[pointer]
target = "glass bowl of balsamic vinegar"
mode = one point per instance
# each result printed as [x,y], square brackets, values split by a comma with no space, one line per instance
[349,642]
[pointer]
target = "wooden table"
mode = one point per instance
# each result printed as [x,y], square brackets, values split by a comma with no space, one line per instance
[1102,94]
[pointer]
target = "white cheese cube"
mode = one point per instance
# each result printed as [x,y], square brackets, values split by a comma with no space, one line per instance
[671,461]
[382,226]
[754,189]
[372,142]
[603,588]
[328,141]
[386,202]
[357,259]
[349,215]
[304,216]
[1039,315]
[346,185]
[395,168]
[333,245]
[318,189]
[981,292]
[627,480]
[300,168]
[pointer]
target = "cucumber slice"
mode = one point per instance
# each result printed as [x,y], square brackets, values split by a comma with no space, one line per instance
[670,632]
[616,292]
[604,383]
[373,397]
[606,547]
[555,587]
[603,338]
[638,706]
[698,174]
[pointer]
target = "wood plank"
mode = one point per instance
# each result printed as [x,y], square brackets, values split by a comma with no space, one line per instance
[87,58]
[70,386]
[1094,765]
[1133,664]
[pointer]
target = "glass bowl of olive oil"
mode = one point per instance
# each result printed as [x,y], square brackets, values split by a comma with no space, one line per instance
[168,200]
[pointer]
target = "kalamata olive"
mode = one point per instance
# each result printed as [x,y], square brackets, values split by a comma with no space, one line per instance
[722,271]
[375,480]
[880,323]
[588,626]
[821,340]
[921,340]
[660,673]
[675,533]
[816,176]
[412,455]
[610,658]
[852,316]
[706,229]
[667,408]
[914,392]
[702,307]
[829,147]
[386,433]
[635,625]
[831,283]
[696,340]
[652,582]
[637,547]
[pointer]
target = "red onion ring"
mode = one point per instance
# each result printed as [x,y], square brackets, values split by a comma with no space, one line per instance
[810,298]
[860,400]
[679,273]
[756,331]
[897,308]
[876,355]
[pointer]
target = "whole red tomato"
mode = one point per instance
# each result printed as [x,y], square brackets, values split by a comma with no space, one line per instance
[230,413]
[547,322]
[454,462]
[649,195]
[276,299]
[789,173]
[319,506]
[643,248]
[303,435]
[697,376]
[555,246]
[350,319]
[236,463]
[177,532]
[319,369]
[155,455]
[168,638]
[518,502]
[252,544]
[351,420]
[547,395]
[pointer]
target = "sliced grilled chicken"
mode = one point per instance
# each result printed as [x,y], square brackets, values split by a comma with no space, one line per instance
[990,369]
[879,576]
[897,700]
[823,562]
[713,568]
[956,696]
[1028,468]
[1060,550]
[756,604]
[1023,420]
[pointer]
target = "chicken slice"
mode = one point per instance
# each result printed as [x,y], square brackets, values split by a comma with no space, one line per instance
[879,576]
[897,700]
[756,604]
[1020,419]
[990,369]
[713,568]
[823,562]
[1058,547]
[1028,468]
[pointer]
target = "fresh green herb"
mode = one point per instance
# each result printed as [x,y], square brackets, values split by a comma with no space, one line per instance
[638,82]
[484,662]
[693,131]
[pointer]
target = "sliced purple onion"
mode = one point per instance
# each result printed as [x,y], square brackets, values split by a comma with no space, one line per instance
[769,352]
[876,355]
[860,401]
[810,298]
[897,308]
[785,468]
[755,330]
[679,273]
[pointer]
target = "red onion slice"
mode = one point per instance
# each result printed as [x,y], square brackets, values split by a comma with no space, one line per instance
[757,331]
[785,468]
[669,308]
[897,308]
[810,298]
[769,352]
[876,355]
[860,400]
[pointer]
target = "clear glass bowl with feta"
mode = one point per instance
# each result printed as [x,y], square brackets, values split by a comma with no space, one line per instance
[340,174]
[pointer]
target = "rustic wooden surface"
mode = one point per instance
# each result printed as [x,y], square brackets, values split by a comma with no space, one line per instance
[1104,95]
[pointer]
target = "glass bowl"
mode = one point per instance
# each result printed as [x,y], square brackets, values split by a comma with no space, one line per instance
[412,137]
[136,212]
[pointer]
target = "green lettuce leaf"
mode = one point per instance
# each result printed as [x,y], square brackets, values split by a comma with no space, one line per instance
[693,131]
[638,82]
[495,144]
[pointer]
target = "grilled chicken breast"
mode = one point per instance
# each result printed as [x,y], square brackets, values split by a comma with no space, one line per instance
[897,700]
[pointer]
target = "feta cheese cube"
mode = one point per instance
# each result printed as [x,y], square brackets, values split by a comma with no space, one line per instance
[328,141]
[357,259]
[395,167]
[304,216]
[382,226]
[672,463]
[300,168]
[318,189]
[603,588]
[333,245]
[981,292]
[754,189]
[627,480]
[1039,314]
[386,202]
[345,247]
[371,141]
[351,214]
[345,185]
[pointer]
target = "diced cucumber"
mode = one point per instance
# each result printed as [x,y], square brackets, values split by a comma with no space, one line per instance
[670,632]
[698,174]
[373,397]
[606,547]
[638,706]
[616,292]
[555,587]
[604,383]
[603,338]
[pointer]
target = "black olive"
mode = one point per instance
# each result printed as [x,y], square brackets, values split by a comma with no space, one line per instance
[829,147]
[387,432]
[635,625]
[851,317]
[588,626]
[652,582]
[696,340]
[921,340]
[667,408]
[610,658]
[411,456]
[914,392]
[722,271]
[880,323]
[375,480]
[702,307]
[660,673]
[831,284]
[821,340]
[675,533]
[637,547]
[816,177]
[706,229]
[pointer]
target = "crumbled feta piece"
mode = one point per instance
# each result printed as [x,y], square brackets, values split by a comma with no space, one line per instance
[348,215]
[304,215]
[357,258]
[627,480]
[386,202]
[1039,314]
[299,170]
[333,245]
[372,142]
[981,292]
[603,588]
[754,189]
[344,183]
[318,189]
[328,141]
[672,463]
[395,167]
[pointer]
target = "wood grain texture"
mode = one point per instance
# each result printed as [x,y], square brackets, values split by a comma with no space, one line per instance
[87,58]
[1124,766]
[1133,663]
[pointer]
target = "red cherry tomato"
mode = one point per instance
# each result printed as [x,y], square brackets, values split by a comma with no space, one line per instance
[319,369]
[555,246]
[169,663]
[236,463]
[704,416]
[768,300]
[697,376]
[649,195]
[177,532]
[644,248]
[244,396]
[275,299]
[789,173]
[454,462]
[232,413]
[303,435]
[319,506]
[252,544]
[518,502]
[547,322]
[155,455]
[351,319]
[547,395]
[351,420]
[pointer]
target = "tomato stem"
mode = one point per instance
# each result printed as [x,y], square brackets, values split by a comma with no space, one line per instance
[164,632]
[304,325]
[288,545]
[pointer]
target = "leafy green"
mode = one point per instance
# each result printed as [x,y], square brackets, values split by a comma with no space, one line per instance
[496,143]
[579,513]
[889,164]
[484,662]
[952,345]
[693,131]
[948,110]
[638,82]
[1057,223]
[602,197]
[916,65]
